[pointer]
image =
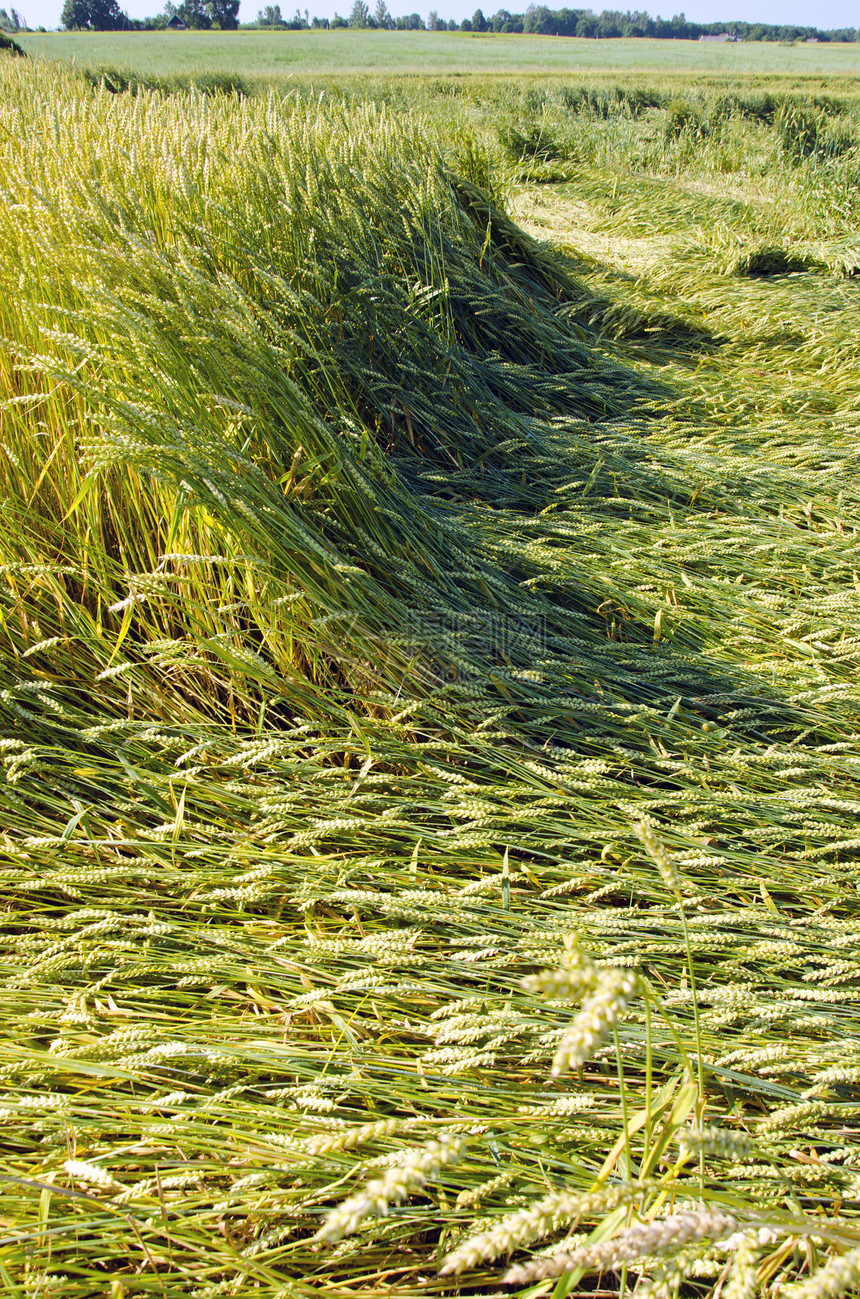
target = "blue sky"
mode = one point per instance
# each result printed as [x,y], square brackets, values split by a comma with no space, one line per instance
[832,13]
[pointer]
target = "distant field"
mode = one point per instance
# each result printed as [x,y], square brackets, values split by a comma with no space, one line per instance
[266,54]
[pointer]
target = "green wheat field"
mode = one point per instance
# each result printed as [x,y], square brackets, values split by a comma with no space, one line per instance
[270,55]
[430,713]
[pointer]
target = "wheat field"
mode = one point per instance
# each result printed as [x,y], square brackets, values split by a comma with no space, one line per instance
[271,55]
[429,713]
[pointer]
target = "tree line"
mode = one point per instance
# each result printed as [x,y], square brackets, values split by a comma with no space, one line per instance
[538,20]
[106,16]
[12,22]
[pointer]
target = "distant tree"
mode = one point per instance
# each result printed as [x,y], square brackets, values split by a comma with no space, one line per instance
[479,22]
[339,21]
[360,14]
[270,16]
[382,16]
[565,21]
[540,21]
[93,15]
[452,25]
[466,25]
[224,14]
[435,23]
[609,24]
[195,14]
[503,21]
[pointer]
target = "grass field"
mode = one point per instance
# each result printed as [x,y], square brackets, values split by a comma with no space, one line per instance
[264,54]
[429,705]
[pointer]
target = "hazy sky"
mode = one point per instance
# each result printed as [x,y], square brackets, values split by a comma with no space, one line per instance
[831,13]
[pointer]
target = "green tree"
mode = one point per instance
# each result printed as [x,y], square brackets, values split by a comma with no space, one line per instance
[359,14]
[194,13]
[93,15]
[224,14]
[382,16]
[479,22]
[539,20]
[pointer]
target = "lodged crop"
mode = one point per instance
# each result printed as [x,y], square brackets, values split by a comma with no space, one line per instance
[428,732]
